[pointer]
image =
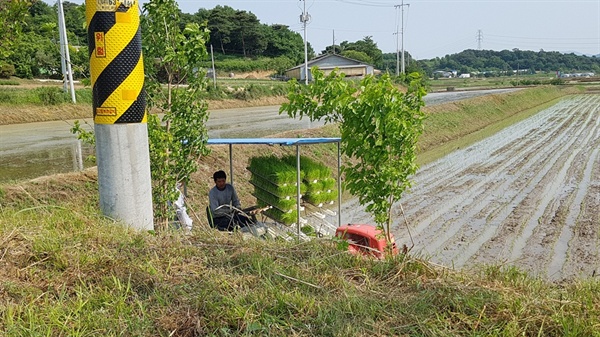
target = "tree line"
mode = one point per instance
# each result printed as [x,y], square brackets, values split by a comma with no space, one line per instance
[29,37]
[30,40]
[29,46]
[507,62]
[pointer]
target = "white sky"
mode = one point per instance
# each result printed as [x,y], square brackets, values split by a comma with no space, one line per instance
[434,28]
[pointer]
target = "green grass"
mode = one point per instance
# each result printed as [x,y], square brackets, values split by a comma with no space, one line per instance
[244,89]
[443,84]
[9,82]
[42,96]
[67,271]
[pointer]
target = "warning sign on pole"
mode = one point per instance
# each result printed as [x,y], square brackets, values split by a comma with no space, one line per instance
[119,107]
[116,64]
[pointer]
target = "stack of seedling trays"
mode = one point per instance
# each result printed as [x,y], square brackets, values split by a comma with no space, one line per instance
[320,185]
[275,185]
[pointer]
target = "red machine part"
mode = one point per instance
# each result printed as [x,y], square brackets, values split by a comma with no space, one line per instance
[366,239]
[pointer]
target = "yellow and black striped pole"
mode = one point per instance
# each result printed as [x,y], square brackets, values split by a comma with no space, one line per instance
[116,64]
[119,107]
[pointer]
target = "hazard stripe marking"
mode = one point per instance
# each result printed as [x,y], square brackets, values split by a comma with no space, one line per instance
[117,71]
[117,67]
[101,22]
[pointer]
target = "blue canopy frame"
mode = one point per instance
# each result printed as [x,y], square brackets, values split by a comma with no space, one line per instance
[297,142]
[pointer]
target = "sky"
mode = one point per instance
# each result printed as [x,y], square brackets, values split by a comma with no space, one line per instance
[433,28]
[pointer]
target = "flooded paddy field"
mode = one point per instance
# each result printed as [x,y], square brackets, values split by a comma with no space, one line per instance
[528,197]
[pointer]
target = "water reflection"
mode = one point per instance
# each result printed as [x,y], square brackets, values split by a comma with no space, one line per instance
[45,161]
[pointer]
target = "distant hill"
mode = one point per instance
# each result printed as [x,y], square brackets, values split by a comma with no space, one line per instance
[509,61]
[580,54]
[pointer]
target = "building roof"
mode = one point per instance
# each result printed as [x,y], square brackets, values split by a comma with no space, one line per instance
[324,57]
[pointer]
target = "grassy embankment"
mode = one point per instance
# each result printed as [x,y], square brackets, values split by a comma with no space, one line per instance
[65,270]
[444,84]
[27,101]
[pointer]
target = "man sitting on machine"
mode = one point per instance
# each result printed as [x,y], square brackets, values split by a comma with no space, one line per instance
[224,205]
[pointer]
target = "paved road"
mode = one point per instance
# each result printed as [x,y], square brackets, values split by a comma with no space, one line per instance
[34,149]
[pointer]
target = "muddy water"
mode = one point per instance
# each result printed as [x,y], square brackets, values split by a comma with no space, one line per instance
[37,149]
[45,161]
[528,196]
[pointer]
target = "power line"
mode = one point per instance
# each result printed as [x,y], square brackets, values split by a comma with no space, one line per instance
[542,38]
[365,3]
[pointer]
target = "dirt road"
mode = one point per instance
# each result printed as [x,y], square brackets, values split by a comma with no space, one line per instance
[527,197]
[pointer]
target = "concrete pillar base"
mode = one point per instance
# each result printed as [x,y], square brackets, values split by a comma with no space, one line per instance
[124,179]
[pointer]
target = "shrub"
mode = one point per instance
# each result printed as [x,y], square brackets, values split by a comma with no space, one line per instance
[9,82]
[7,70]
[51,95]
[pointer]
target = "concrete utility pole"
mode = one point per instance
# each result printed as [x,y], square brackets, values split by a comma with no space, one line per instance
[397,53]
[65,59]
[401,6]
[304,18]
[119,106]
[214,74]
[333,42]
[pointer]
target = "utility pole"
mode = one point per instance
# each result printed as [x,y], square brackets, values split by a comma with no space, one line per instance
[214,74]
[304,18]
[64,53]
[397,52]
[401,6]
[333,42]
[120,116]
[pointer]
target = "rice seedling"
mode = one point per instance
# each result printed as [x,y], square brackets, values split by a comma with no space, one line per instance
[312,170]
[280,191]
[284,204]
[274,170]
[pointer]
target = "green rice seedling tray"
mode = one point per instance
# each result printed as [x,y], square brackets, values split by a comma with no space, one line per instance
[273,169]
[312,170]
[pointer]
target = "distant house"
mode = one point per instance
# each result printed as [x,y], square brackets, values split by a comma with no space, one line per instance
[327,63]
[464,76]
[442,74]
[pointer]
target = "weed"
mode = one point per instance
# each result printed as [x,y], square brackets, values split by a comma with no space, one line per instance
[9,82]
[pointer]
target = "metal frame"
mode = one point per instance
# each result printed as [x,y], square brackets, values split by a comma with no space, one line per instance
[286,142]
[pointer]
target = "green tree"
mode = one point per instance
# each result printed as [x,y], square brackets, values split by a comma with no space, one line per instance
[75,23]
[38,52]
[332,49]
[36,56]
[357,55]
[42,20]
[248,37]
[221,25]
[379,126]
[367,46]
[80,62]
[180,138]
[12,19]
[281,41]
